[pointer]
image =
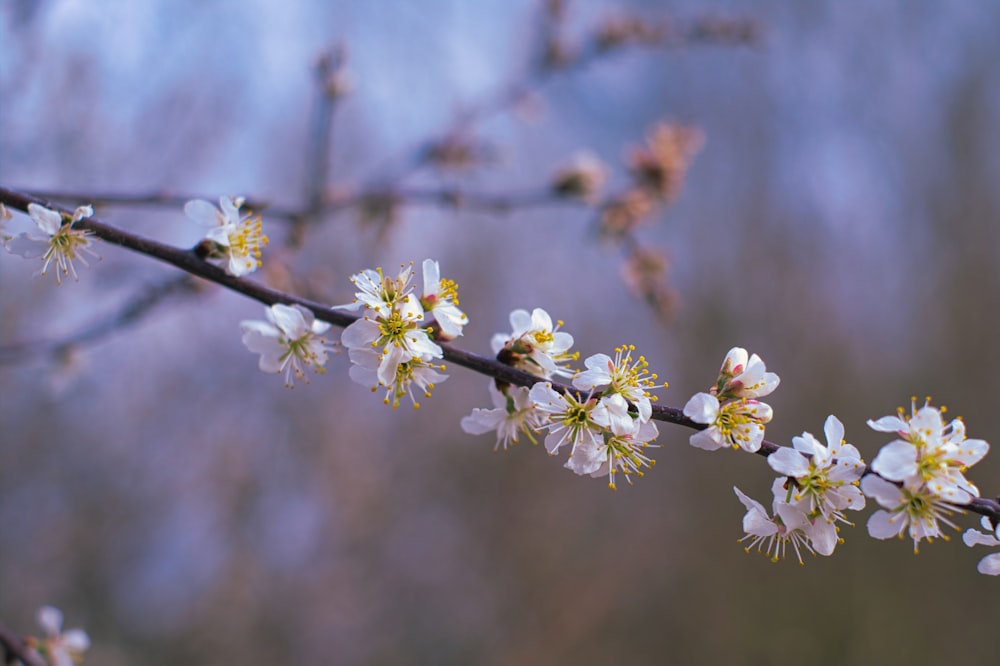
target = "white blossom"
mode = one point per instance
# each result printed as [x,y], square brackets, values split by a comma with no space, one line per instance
[616,452]
[440,300]
[395,371]
[236,239]
[744,376]
[383,294]
[288,341]
[773,535]
[535,345]
[929,452]
[391,345]
[738,423]
[826,477]
[569,420]
[917,511]
[621,375]
[60,648]
[512,415]
[61,243]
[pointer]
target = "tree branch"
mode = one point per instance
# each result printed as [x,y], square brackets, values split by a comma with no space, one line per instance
[188,261]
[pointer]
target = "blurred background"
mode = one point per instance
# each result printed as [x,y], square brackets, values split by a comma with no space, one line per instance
[840,220]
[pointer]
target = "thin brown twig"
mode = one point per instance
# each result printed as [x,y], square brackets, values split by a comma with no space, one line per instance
[15,648]
[448,197]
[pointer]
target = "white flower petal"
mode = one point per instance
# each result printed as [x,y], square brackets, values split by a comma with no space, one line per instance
[360,334]
[47,220]
[973,537]
[289,319]
[833,429]
[24,245]
[789,462]
[885,493]
[989,565]
[702,408]
[756,521]
[881,525]
[50,619]
[203,213]
[76,640]
[708,439]
[889,424]
[587,459]
[823,535]
[896,461]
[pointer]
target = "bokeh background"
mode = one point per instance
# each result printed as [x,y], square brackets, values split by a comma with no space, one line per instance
[840,220]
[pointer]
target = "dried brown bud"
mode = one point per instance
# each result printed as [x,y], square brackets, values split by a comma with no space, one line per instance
[660,165]
[558,54]
[457,152]
[617,31]
[582,178]
[331,72]
[622,214]
[644,272]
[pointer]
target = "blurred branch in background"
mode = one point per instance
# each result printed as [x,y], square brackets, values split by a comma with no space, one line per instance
[15,649]
[657,170]
[137,306]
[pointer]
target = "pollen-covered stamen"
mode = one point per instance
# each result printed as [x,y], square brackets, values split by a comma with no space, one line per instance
[247,240]
[393,329]
[922,511]
[631,377]
[408,373]
[815,485]
[775,545]
[543,337]
[569,420]
[923,507]
[738,420]
[66,246]
[380,292]
[626,454]
[449,290]
[395,289]
[302,352]
[447,293]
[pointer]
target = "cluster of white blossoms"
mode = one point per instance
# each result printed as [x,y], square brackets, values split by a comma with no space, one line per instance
[818,483]
[603,416]
[392,344]
[536,347]
[920,476]
[235,239]
[61,243]
[730,409]
[607,429]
